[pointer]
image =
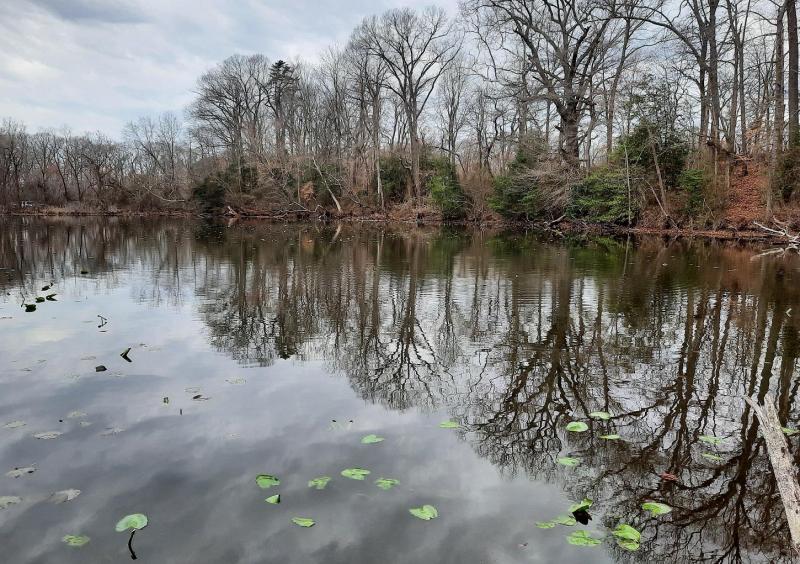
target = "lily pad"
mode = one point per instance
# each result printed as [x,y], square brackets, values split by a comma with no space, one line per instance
[577,427]
[19,472]
[568,461]
[266,481]
[76,415]
[603,415]
[303,522]
[48,435]
[656,508]
[319,483]
[610,437]
[14,424]
[426,512]
[582,538]
[136,522]
[9,500]
[386,483]
[450,424]
[710,440]
[627,537]
[372,439]
[789,432]
[64,496]
[711,457]
[355,473]
[582,505]
[76,541]
[546,524]
[274,499]
[565,520]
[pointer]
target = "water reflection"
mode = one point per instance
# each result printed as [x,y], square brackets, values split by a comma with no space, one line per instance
[513,335]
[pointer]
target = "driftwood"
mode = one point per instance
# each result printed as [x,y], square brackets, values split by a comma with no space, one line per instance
[782,464]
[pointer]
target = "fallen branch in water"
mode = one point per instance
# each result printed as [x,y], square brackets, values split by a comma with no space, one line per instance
[792,240]
[782,464]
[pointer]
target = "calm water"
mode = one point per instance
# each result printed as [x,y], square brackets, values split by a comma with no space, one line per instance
[390,332]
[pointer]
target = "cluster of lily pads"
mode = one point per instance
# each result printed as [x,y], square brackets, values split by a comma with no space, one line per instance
[626,536]
[426,512]
[30,308]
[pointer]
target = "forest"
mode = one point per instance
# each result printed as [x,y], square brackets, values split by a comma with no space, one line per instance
[656,113]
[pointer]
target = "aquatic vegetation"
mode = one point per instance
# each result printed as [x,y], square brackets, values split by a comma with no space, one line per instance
[355,473]
[274,499]
[7,501]
[569,461]
[75,540]
[577,427]
[603,415]
[426,512]
[303,522]
[610,437]
[656,508]
[582,538]
[449,424]
[386,483]
[627,537]
[47,435]
[19,472]
[372,439]
[266,481]
[319,483]
[64,496]
[133,522]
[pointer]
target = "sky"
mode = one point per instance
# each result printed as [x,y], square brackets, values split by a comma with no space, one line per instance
[94,65]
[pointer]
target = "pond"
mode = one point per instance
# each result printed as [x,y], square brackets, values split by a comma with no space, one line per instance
[447,363]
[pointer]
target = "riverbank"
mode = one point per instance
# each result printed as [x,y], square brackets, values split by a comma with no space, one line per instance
[421,216]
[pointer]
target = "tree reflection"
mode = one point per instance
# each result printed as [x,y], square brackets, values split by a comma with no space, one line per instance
[515,335]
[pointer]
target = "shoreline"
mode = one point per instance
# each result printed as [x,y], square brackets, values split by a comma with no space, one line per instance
[563,227]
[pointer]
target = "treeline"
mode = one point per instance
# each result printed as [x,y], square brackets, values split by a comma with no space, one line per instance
[592,109]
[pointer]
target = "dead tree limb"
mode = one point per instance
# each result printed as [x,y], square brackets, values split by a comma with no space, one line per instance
[782,464]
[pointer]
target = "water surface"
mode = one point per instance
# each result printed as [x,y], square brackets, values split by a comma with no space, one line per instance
[306,338]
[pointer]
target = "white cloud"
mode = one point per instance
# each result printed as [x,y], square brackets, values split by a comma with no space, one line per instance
[96,64]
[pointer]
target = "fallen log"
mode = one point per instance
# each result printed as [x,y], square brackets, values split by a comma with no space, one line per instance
[782,464]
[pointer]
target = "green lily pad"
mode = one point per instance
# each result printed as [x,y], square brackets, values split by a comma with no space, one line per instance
[266,481]
[656,508]
[610,437]
[355,473]
[426,512]
[789,432]
[319,483]
[711,457]
[136,521]
[76,541]
[582,505]
[627,537]
[566,520]
[386,483]
[546,524]
[710,440]
[9,500]
[604,415]
[14,425]
[371,440]
[303,522]
[568,461]
[274,499]
[582,538]
[577,427]
[450,424]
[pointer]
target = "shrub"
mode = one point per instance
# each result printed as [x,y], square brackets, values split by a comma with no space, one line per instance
[693,181]
[395,178]
[786,179]
[672,152]
[515,196]
[445,189]
[603,197]
[211,192]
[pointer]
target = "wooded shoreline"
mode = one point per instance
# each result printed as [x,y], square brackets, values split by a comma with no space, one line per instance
[564,227]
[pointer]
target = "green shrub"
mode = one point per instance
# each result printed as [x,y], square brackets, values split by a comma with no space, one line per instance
[445,189]
[515,196]
[603,197]
[395,178]
[672,152]
[786,179]
[693,181]
[211,192]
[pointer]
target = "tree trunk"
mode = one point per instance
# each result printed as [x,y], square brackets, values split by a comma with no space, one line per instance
[794,116]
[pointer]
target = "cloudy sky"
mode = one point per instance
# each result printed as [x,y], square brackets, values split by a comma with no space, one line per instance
[96,64]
